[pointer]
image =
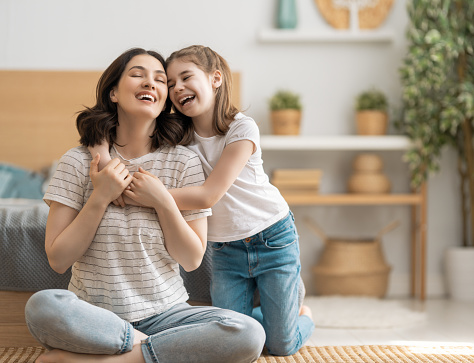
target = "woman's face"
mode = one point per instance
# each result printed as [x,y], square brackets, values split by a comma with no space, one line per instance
[192,91]
[142,89]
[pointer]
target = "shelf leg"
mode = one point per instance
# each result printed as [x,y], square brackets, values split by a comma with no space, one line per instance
[423,246]
[414,255]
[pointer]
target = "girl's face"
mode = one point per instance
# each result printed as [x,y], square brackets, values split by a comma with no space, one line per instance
[142,90]
[192,90]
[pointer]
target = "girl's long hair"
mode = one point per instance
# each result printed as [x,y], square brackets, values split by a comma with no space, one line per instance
[209,61]
[99,122]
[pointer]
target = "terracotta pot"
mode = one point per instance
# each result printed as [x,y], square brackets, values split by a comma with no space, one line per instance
[371,122]
[286,122]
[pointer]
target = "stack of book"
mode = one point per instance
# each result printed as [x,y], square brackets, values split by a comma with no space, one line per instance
[297,181]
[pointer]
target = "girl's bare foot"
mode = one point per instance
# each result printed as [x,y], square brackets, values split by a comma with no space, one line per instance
[305,310]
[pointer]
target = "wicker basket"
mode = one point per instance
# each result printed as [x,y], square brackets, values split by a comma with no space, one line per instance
[371,122]
[351,266]
[286,122]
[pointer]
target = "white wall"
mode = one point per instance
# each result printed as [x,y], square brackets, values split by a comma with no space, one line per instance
[89,34]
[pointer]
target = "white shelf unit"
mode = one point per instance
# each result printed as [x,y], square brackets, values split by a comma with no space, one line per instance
[349,142]
[416,199]
[314,36]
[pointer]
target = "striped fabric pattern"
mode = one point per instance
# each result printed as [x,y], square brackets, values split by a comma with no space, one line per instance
[127,268]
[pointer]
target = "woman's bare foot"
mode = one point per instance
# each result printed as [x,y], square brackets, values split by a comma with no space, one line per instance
[58,355]
[61,356]
[305,310]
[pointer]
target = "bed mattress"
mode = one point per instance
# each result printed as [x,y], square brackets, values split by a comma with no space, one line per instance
[24,265]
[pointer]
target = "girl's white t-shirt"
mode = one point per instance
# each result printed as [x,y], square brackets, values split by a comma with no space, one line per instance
[251,204]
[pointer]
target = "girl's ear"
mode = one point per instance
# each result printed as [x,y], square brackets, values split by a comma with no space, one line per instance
[112,96]
[216,79]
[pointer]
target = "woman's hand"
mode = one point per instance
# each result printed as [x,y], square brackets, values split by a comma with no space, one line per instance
[147,190]
[111,181]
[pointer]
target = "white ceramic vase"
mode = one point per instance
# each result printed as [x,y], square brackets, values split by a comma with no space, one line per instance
[459,266]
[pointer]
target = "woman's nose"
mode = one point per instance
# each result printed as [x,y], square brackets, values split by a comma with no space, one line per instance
[149,84]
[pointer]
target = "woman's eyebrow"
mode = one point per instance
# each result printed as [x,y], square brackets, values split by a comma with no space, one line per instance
[143,69]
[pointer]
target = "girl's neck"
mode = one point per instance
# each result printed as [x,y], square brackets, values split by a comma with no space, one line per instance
[203,125]
[134,139]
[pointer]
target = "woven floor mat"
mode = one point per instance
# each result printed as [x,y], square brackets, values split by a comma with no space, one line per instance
[20,355]
[331,354]
[377,354]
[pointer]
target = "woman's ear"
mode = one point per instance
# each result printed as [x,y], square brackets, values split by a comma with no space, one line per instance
[112,96]
[217,79]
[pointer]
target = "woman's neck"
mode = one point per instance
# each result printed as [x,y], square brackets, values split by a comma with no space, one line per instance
[133,139]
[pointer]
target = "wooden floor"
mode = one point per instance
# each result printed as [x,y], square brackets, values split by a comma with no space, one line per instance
[13,330]
[448,323]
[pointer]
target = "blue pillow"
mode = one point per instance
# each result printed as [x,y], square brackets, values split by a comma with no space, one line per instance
[20,183]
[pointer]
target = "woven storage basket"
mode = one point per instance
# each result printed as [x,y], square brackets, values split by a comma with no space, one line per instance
[351,266]
[371,122]
[286,122]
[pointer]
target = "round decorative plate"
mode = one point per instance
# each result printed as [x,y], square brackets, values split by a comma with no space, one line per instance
[369,18]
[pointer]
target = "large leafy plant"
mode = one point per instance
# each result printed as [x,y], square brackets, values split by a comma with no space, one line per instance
[438,93]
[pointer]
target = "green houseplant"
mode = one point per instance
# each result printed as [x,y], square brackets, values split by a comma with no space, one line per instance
[285,113]
[371,112]
[438,98]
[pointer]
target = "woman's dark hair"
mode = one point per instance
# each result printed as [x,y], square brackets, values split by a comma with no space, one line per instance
[98,123]
[209,61]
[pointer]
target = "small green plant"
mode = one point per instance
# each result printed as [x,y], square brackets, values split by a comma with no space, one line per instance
[283,100]
[372,99]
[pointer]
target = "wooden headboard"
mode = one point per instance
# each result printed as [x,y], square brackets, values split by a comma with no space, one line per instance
[38,113]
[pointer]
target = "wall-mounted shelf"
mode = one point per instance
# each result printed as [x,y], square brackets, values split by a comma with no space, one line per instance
[314,36]
[353,199]
[349,142]
[416,200]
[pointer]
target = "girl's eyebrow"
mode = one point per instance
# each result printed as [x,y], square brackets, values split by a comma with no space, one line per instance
[143,69]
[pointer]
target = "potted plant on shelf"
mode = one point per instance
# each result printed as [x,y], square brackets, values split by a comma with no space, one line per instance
[285,115]
[438,111]
[371,112]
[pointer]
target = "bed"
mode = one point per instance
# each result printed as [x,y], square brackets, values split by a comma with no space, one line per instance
[37,126]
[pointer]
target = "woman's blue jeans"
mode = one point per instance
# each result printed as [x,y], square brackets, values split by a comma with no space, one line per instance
[184,333]
[269,260]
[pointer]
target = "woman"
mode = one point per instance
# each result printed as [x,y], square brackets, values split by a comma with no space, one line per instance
[126,300]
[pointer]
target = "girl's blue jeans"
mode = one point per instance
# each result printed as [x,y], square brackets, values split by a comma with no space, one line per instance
[269,260]
[184,333]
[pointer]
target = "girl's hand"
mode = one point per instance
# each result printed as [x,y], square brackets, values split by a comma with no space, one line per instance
[147,190]
[111,181]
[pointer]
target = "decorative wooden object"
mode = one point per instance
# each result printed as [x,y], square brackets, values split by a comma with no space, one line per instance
[369,18]
[368,177]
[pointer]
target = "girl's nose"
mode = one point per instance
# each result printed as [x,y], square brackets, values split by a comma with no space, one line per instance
[178,87]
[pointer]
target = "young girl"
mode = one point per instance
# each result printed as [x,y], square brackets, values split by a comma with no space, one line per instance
[126,300]
[252,233]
